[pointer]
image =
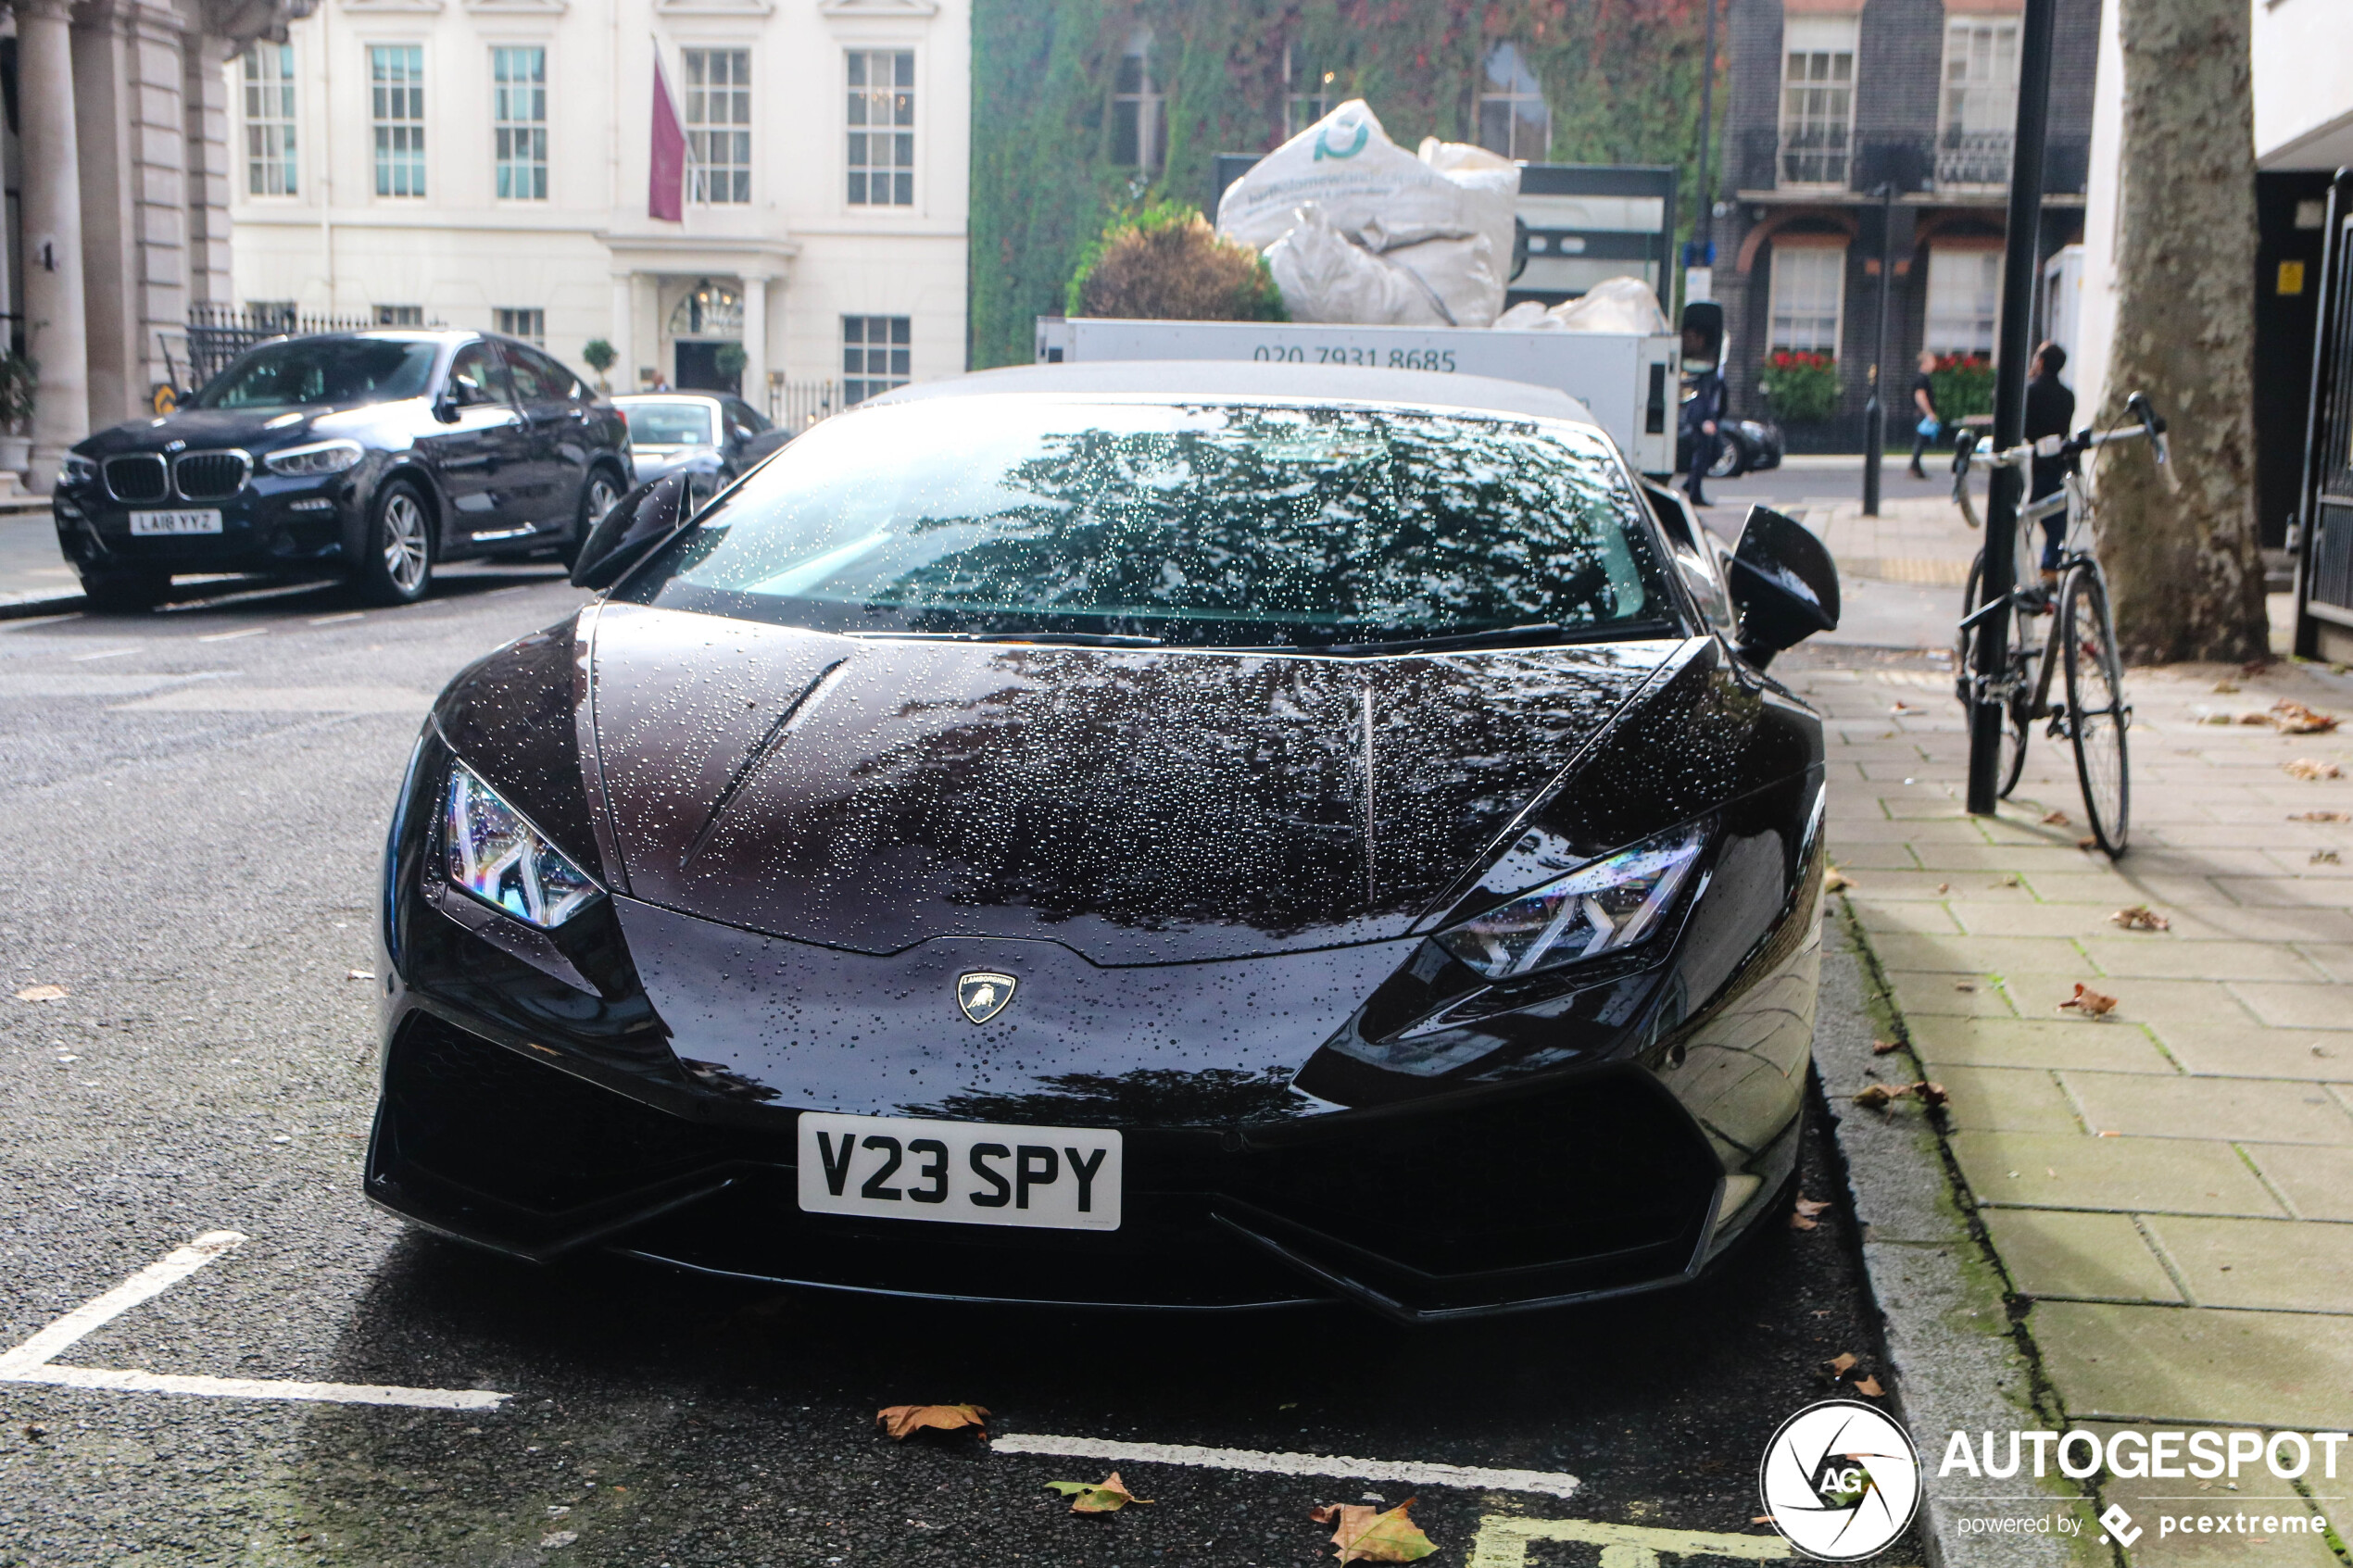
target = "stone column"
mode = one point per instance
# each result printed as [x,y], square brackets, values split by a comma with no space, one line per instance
[755,342]
[645,318]
[624,340]
[204,95]
[129,74]
[54,330]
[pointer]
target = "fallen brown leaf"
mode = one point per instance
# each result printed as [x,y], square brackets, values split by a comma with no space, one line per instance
[2226,687]
[2256,666]
[1931,1095]
[2325,857]
[2293,719]
[1807,1207]
[903,1421]
[1876,1097]
[2086,843]
[2322,817]
[2139,917]
[1364,1535]
[1964,986]
[2311,769]
[42,994]
[2055,819]
[1835,880]
[1869,1385]
[1944,887]
[1762,1519]
[1800,1223]
[1882,1048]
[2090,1003]
[2254,719]
[1107,1496]
[1840,1364]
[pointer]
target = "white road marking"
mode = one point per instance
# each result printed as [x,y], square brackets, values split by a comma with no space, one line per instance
[1476,1477]
[1502,1539]
[338,619]
[232,636]
[29,622]
[30,1361]
[110,653]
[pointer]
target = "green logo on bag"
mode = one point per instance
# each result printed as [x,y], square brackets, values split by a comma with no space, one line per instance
[1324,148]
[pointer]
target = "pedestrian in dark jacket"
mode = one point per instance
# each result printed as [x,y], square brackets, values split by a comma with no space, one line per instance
[1702,409]
[1927,425]
[2050,410]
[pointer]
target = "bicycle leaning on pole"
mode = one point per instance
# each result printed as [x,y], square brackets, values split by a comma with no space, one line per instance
[2094,714]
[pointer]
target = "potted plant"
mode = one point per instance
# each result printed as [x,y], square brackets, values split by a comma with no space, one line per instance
[730,360]
[600,356]
[1802,388]
[20,383]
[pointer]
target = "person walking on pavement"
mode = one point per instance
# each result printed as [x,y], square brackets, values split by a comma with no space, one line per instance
[2050,410]
[1929,425]
[1703,406]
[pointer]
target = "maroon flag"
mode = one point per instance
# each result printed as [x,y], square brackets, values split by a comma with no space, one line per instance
[669,154]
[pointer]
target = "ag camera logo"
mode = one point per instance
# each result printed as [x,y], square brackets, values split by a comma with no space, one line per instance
[1841,1479]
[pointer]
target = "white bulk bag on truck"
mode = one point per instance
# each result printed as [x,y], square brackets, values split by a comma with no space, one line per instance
[1446,216]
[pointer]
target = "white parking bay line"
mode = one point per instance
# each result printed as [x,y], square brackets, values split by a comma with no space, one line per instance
[1502,1542]
[232,636]
[1547,1482]
[30,1361]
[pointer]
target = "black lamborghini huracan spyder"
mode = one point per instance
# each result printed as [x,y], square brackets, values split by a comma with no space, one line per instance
[1175,835]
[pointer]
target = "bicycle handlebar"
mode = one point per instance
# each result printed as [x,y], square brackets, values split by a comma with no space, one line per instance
[2151,427]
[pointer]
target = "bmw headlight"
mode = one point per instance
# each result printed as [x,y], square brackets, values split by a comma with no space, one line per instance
[502,859]
[76,470]
[1602,906]
[319,457]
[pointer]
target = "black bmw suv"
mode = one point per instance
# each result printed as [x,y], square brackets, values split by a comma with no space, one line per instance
[375,455]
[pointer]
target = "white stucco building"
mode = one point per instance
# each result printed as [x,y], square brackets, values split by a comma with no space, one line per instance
[487,163]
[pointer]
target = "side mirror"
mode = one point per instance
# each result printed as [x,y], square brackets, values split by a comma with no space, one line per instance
[628,534]
[1783,583]
[1705,318]
[444,406]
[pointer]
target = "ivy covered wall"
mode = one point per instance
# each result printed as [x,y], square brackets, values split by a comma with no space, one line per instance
[1621,78]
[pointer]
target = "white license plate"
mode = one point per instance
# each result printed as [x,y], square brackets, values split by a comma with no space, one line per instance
[968,1172]
[200,520]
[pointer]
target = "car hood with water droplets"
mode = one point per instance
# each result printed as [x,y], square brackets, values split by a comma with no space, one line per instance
[1139,806]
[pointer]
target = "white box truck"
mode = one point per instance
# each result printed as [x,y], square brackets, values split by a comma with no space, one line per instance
[1628,380]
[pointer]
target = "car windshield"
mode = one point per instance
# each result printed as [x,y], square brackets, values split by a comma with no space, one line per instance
[1203,524]
[667,424]
[322,370]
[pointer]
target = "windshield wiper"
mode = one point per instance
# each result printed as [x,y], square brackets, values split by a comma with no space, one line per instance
[1536,632]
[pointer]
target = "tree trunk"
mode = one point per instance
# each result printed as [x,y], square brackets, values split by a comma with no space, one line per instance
[2182,565]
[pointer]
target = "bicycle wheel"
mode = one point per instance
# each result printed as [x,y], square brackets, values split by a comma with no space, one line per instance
[2097,714]
[2014,720]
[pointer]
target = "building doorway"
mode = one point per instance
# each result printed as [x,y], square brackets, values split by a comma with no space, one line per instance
[698,370]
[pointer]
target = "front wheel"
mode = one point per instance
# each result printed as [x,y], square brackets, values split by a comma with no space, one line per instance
[395,564]
[2097,714]
[1730,460]
[2016,710]
[125,593]
[596,499]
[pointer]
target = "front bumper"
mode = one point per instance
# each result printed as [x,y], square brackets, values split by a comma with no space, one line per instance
[274,524]
[1574,1189]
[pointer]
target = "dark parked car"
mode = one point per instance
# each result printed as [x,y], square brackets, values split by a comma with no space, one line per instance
[1184,835]
[711,436]
[376,455]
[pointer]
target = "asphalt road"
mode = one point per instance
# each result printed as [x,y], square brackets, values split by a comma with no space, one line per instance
[192,803]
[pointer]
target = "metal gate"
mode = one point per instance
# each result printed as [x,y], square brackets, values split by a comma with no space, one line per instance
[2324,556]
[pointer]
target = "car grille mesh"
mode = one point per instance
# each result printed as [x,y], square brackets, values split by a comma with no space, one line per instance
[135,478]
[210,476]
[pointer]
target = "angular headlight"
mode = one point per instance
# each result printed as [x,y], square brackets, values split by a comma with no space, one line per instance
[501,859]
[1601,907]
[320,458]
[76,470]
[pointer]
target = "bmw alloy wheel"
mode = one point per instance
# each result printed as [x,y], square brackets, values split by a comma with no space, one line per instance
[406,555]
[602,495]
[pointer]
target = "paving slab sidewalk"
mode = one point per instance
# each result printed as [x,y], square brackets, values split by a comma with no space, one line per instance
[2167,1188]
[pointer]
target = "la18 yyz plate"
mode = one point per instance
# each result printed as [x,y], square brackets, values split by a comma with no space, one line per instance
[199,520]
[965,1173]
